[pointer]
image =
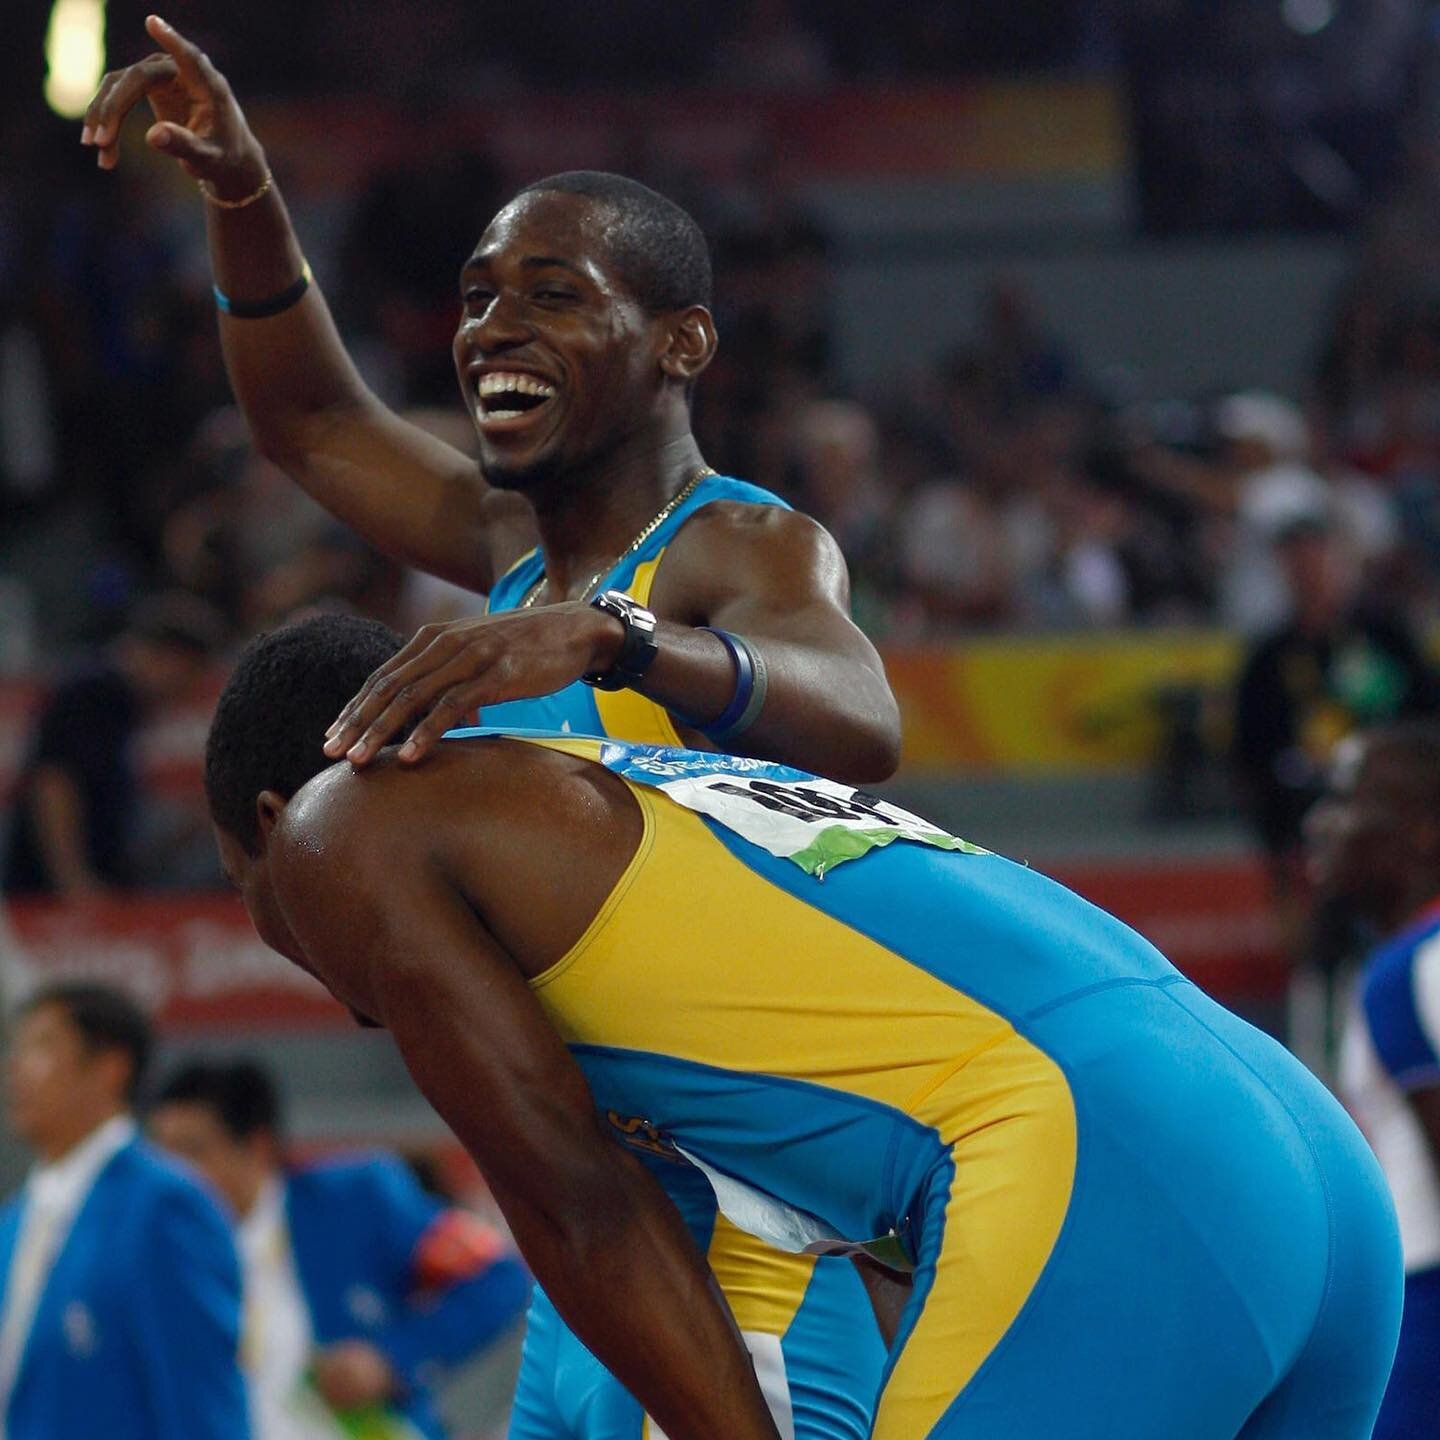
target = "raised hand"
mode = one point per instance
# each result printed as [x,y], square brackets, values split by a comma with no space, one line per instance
[198,121]
[449,671]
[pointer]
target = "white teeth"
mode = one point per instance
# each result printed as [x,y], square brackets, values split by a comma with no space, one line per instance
[500,382]
[503,414]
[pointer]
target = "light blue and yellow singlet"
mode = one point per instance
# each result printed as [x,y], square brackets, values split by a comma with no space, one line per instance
[1130,1216]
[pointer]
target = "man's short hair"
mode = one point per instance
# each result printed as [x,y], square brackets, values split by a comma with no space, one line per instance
[107,1019]
[270,722]
[657,247]
[239,1093]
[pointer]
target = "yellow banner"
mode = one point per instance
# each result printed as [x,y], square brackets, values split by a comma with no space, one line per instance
[1050,703]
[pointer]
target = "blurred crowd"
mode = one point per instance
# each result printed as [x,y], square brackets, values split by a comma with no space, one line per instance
[1001,487]
[1005,488]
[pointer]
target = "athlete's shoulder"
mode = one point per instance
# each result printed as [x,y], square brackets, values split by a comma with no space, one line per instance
[736,537]
[338,822]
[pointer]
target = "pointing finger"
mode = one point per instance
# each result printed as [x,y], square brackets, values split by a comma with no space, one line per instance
[188,58]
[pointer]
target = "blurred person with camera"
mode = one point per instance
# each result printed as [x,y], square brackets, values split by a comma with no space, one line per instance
[119,1285]
[1335,663]
[360,1288]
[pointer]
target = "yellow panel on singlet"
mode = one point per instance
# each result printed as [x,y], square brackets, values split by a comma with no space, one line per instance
[696,957]
[626,714]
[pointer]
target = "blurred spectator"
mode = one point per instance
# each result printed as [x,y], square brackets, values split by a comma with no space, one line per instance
[360,1287]
[837,462]
[1374,844]
[1335,664]
[1266,447]
[74,826]
[119,1287]
[1023,361]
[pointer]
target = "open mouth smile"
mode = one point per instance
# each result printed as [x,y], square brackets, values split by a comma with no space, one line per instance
[508,400]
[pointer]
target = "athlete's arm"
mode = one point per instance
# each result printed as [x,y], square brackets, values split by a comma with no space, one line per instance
[401,943]
[779,579]
[772,575]
[405,491]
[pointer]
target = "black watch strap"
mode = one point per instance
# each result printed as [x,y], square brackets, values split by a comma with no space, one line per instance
[637,650]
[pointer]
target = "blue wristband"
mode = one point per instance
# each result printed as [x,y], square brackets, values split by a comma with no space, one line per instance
[750,685]
[720,726]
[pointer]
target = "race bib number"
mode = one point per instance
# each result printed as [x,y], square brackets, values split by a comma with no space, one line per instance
[817,824]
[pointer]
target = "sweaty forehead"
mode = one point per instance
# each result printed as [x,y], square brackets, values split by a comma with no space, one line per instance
[573,228]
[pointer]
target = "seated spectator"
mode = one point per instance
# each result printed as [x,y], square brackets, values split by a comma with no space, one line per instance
[74,824]
[359,1286]
[119,1287]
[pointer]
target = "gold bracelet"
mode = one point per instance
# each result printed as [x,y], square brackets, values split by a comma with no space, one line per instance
[208,191]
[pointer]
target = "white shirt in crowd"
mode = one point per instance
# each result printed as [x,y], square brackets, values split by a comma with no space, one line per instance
[277,1339]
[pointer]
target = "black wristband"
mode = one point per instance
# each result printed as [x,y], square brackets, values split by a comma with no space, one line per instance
[263,309]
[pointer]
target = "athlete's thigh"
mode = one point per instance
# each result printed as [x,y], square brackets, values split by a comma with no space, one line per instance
[563,1391]
[808,1325]
[1334,1389]
[987,1224]
[810,1329]
[1183,1277]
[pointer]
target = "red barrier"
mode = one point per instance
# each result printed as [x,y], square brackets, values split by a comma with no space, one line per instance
[190,959]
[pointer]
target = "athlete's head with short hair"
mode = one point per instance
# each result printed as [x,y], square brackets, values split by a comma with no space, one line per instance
[655,245]
[585,323]
[265,743]
[270,722]
[1374,839]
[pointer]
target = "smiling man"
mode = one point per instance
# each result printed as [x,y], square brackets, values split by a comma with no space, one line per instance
[701,609]
[584,325]
[1128,1213]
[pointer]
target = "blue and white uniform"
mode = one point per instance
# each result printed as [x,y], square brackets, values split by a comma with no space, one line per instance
[1391,1050]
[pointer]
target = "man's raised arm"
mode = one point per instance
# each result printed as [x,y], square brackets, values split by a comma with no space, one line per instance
[405,491]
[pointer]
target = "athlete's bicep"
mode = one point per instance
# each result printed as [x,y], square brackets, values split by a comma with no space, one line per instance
[778,579]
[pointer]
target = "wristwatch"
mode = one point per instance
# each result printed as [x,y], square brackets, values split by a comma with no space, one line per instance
[637,650]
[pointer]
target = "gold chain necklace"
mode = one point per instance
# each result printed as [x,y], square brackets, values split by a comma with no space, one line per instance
[660,517]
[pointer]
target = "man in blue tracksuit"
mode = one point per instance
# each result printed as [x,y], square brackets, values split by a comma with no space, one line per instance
[359,1287]
[119,1287]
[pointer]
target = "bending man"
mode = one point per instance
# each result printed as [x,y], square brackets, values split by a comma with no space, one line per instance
[1127,1212]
